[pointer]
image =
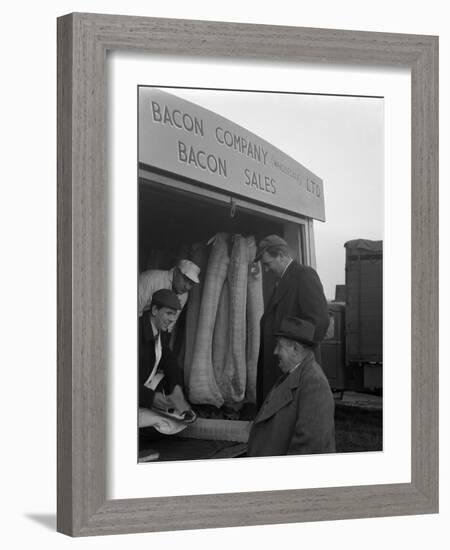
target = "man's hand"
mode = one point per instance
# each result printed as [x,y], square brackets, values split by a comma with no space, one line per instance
[178,401]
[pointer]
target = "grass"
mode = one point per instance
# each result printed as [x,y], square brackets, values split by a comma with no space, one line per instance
[358,429]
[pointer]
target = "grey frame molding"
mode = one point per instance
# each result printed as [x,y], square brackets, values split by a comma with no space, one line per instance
[83,41]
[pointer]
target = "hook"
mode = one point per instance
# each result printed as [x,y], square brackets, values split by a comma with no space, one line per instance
[232,208]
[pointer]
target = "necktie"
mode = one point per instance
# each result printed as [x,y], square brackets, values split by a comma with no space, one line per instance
[158,350]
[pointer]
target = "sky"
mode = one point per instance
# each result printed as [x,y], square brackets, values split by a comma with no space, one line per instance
[340,139]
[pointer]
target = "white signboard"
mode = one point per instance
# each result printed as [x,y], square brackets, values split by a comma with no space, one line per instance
[183,138]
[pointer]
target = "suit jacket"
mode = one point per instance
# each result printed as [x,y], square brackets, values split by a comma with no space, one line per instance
[168,363]
[297,416]
[298,294]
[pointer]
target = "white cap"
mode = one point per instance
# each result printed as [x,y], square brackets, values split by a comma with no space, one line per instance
[189,270]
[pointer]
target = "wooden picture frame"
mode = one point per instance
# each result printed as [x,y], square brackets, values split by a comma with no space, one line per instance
[83,41]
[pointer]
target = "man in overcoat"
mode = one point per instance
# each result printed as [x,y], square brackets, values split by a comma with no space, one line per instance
[298,293]
[297,416]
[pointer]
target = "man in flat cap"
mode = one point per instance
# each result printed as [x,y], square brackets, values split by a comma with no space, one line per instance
[297,416]
[298,293]
[181,278]
[160,377]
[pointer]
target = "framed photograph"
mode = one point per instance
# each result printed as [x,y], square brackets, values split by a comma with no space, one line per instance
[195,161]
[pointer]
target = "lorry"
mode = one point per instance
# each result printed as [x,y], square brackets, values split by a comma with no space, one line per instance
[352,351]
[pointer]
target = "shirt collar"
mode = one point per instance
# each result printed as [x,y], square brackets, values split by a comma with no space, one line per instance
[285,375]
[154,329]
[307,354]
[289,263]
[296,367]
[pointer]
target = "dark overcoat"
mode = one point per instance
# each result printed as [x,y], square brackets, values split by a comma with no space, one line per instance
[298,294]
[297,416]
[167,364]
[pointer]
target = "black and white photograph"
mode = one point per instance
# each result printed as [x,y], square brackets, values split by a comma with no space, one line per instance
[260,273]
[221,285]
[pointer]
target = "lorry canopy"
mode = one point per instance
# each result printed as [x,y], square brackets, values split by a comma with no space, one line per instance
[365,244]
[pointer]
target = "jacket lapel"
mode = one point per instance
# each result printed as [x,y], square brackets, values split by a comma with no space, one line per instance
[147,328]
[282,288]
[280,395]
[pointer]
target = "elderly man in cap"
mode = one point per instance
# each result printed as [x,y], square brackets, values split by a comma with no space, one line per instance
[180,279]
[297,417]
[298,293]
[160,377]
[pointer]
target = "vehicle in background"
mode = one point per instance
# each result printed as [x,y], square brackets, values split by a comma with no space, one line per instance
[352,351]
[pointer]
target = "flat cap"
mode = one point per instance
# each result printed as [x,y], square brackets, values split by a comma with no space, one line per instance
[166,298]
[297,329]
[271,241]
